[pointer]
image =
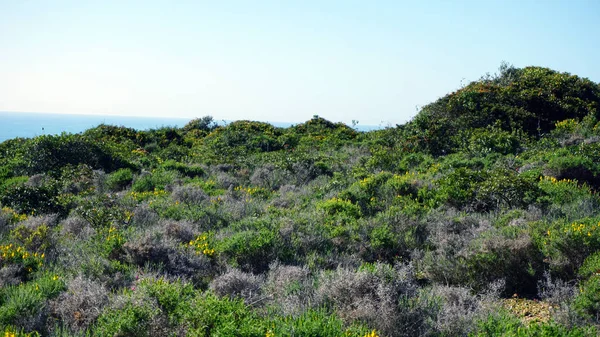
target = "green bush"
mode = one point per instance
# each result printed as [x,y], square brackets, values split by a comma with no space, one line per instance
[335,206]
[28,199]
[185,170]
[51,153]
[587,301]
[569,243]
[251,250]
[119,179]
[25,301]
[133,318]
[157,180]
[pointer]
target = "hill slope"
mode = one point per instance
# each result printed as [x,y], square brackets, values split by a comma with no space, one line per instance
[479,217]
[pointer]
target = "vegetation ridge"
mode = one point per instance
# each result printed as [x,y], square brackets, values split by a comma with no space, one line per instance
[479,217]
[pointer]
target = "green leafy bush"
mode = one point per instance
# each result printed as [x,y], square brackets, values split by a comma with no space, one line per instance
[119,179]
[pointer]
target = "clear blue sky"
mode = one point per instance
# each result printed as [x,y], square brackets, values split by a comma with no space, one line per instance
[280,61]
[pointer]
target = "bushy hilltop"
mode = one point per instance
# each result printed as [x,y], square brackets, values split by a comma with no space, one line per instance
[477,218]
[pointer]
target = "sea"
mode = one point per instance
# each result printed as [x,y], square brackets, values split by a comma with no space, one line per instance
[31,124]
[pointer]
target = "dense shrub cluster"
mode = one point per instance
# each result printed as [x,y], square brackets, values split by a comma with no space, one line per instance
[480,217]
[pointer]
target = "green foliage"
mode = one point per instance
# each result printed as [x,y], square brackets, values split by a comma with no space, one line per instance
[29,199]
[531,99]
[204,124]
[587,301]
[27,299]
[51,153]
[486,189]
[156,180]
[132,319]
[340,206]
[185,170]
[251,250]
[569,243]
[119,179]
[489,140]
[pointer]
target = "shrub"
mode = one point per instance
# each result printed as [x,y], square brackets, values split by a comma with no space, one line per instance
[568,244]
[23,305]
[181,231]
[249,250]
[191,171]
[508,254]
[340,206]
[491,139]
[393,235]
[556,292]
[459,310]
[155,248]
[172,296]
[119,179]
[189,194]
[78,227]
[26,199]
[579,166]
[205,124]
[144,216]
[587,301]
[129,315]
[52,153]
[562,191]
[503,324]
[158,180]
[235,283]
[82,303]
[269,177]
[370,295]
[290,288]
[486,190]
[10,275]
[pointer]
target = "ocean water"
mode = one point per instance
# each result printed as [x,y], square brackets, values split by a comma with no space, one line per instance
[28,125]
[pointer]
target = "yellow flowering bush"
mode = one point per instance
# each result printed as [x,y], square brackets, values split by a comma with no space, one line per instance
[572,242]
[561,191]
[111,239]
[142,196]
[13,216]
[259,192]
[35,239]
[340,206]
[16,254]
[201,245]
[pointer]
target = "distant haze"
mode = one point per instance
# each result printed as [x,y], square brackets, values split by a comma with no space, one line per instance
[281,61]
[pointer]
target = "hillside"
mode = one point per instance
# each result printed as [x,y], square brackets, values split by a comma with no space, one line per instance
[479,217]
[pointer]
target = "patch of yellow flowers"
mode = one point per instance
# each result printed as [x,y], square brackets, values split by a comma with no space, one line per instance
[556,181]
[12,253]
[140,196]
[588,233]
[252,191]
[201,246]
[11,332]
[14,216]
[114,235]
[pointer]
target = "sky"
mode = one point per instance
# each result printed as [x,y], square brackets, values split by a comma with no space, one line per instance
[375,62]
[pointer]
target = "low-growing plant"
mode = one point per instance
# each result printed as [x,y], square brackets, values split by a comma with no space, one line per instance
[80,305]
